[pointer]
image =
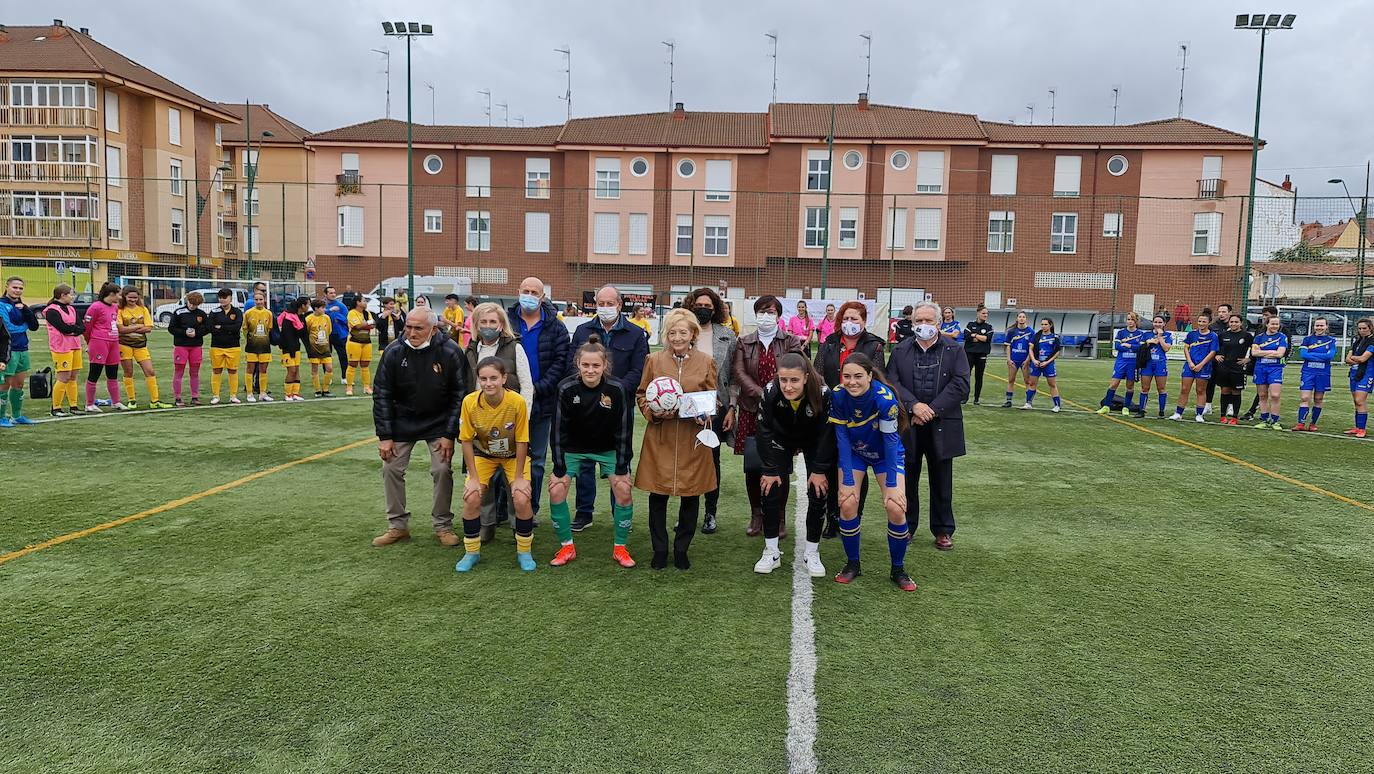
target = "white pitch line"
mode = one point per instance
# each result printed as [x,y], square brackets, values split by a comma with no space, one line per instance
[801,677]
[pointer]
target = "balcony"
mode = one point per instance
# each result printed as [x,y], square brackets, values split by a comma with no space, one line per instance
[48,171]
[228,245]
[1211,188]
[348,183]
[79,117]
[49,228]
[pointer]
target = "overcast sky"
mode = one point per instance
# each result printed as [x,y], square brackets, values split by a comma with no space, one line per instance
[311,61]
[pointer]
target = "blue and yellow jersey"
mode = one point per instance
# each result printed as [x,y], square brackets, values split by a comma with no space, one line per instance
[1157,354]
[1270,341]
[1128,342]
[1047,345]
[1018,341]
[866,427]
[1317,353]
[1200,345]
[953,330]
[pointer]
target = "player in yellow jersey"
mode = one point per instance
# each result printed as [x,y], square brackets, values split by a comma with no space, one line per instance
[360,327]
[495,431]
[317,347]
[135,323]
[451,318]
[257,346]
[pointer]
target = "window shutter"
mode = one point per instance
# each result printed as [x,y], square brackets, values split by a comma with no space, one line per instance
[536,232]
[537,165]
[607,233]
[1211,167]
[895,233]
[639,233]
[927,223]
[479,176]
[930,171]
[174,126]
[718,176]
[1214,232]
[1067,171]
[604,164]
[1003,176]
[348,162]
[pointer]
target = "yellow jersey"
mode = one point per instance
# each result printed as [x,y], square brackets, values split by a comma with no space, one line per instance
[257,330]
[135,315]
[454,316]
[317,328]
[356,318]
[494,430]
[642,322]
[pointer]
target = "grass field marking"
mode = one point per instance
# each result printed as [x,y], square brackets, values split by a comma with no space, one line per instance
[177,503]
[801,676]
[111,412]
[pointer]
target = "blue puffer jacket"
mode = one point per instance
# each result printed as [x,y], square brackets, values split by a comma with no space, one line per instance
[19,320]
[552,355]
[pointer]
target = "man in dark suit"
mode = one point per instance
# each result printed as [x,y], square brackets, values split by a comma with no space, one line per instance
[930,374]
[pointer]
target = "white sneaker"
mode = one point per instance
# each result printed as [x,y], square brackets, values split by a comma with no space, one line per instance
[769,562]
[120,407]
[214,401]
[91,408]
[265,398]
[1026,407]
[1175,417]
[1055,409]
[235,399]
[814,568]
[1199,418]
[252,398]
[1207,409]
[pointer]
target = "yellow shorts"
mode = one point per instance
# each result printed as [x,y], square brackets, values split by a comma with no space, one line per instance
[66,361]
[225,357]
[486,467]
[258,357]
[359,353]
[291,360]
[136,354]
[324,361]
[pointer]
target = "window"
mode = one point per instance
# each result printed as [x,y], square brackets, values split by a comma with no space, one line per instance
[1003,176]
[901,160]
[434,221]
[639,167]
[348,163]
[1117,165]
[849,227]
[718,180]
[114,166]
[173,126]
[686,168]
[1111,224]
[1067,171]
[1207,233]
[606,233]
[927,229]
[250,163]
[111,111]
[479,231]
[54,204]
[537,178]
[815,227]
[254,243]
[1064,232]
[251,201]
[607,178]
[536,232]
[717,235]
[817,170]
[433,164]
[1001,226]
[178,227]
[1211,167]
[930,171]
[684,235]
[853,160]
[479,176]
[896,229]
[639,233]
[114,219]
[174,176]
[350,226]
[219,134]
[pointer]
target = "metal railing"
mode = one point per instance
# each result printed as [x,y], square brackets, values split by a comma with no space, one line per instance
[49,228]
[80,117]
[47,171]
[1211,188]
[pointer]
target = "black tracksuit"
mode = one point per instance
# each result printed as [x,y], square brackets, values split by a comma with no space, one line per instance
[591,419]
[977,353]
[226,328]
[418,393]
[784,430]
[195,320]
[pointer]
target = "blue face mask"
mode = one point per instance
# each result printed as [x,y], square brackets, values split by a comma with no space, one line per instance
[529,302]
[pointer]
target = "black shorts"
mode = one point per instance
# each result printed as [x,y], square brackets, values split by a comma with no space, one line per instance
[1229,378]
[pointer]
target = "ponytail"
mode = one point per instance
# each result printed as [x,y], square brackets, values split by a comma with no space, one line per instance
[811,393]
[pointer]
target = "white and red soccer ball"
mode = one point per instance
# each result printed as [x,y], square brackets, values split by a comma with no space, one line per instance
[663,394]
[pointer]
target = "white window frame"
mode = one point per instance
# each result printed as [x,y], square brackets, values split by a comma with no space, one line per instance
[849,228]
[1111,225]
[111,111]
[178,223]
[536,232]
[814,235]
[1068,175]
[691,168]
[852,155]
[344,166]
[817,170]
[252,239]
[716,237]
[683,235]
[921,238]
[478,177]
[894,230]
[432,157]
[250,163]
[478,231]
[1002,180]
[606,233]
[219,134]
[639,233]
[639,160]
[715,170]
[174,184]
[608,177]
[1207,227]
[434,221]
[174,126]
[252,200]
[1125,165]
[1211,170]
[114,219]
[1004,231]
[904,156]
[351,225]
[538,178]
[930,171]
[1068,238]
[114,166]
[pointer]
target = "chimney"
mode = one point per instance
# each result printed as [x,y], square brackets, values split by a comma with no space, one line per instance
[1287,183]
[863,100]
[57,22]
[86,31]
[679,114]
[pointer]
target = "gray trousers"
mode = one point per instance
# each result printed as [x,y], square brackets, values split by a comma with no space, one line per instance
[394,481]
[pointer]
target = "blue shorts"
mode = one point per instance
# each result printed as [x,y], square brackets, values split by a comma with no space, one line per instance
[1204,372]
[1154,368]
[1047,371]
[1315,381]
[891,471]
[1019,359]
[1268,373]
[1363,385]
[1125,369]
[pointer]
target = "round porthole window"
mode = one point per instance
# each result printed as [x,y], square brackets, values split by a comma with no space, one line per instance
[1117,165]
[639,167]
[686,168]
[900,160]
[433,164]
[853,160]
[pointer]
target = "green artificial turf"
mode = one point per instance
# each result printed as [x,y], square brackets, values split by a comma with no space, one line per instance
[1115,602]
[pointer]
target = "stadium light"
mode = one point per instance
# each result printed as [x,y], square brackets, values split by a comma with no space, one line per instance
[409,31]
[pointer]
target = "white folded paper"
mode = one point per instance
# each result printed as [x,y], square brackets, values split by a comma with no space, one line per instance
[697,404]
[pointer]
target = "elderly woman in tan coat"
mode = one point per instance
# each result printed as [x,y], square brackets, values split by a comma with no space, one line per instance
[672,461]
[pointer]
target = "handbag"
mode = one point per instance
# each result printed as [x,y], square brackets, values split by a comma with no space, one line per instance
[753,461]
[40,384]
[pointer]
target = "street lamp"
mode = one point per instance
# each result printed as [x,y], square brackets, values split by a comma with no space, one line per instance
[1362,222]
[248,198]
[409,31]
[201,201]
[1264,23]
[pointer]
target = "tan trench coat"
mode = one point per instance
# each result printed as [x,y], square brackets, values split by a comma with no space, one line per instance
[672,461]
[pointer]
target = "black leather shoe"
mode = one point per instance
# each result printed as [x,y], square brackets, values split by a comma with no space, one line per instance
[581,521]
[659,561]
[708,526]
[680,560]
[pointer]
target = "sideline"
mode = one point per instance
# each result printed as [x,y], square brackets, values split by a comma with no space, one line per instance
[801,677]
[177,503]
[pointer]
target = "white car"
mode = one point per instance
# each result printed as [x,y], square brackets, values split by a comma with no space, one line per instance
[163,313]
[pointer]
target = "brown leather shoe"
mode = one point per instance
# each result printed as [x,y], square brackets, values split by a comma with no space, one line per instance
[755,527]
[391,536]
[446,537]
[944,543]
[488,532]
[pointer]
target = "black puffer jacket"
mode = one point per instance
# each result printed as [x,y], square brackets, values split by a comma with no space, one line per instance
[784,431]
[418,393]
[828,356]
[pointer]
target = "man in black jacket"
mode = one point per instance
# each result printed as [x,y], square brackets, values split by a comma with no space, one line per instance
[930,374]
[421,381]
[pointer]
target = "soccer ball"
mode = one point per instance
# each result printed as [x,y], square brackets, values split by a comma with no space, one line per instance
[662,394]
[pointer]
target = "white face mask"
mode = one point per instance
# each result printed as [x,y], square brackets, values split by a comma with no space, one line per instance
[708,438]
[925,331]
[607,313]
[767,323]
[850,328]
[413,345]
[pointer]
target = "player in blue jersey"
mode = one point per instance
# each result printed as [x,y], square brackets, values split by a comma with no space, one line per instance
[1199,349]
[950,327]
[1360,358]
[1127,343]
[1269,349]
[869,421]
[1018,353]
[1155,367]
[1317,350]
[1045,348]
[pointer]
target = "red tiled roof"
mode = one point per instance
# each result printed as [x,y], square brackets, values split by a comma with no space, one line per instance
[63,49]
[1168,131]
[393,130]
[694,130]
[1308,269]
[879,122]
[1317,234]
[284,132]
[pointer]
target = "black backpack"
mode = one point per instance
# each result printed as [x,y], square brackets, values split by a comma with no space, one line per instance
[40,384]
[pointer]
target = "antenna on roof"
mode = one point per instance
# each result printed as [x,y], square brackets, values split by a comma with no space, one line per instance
[505,112]
[671,51]
[433,120]
[1031,108]
[386,54]
[521,119]
[566,51]
[868,55]
[1051,107]
[1183,74]
[1116,100]
[773,36]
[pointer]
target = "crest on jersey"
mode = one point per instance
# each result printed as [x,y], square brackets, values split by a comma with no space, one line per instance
[605,401]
